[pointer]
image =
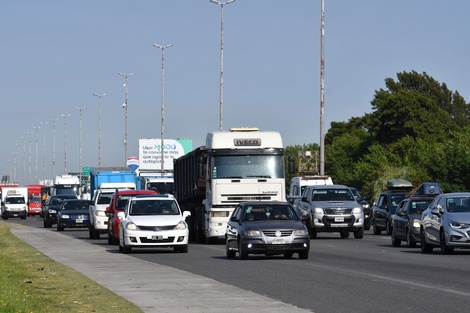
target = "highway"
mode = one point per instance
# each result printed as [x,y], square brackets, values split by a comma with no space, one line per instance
[341,275]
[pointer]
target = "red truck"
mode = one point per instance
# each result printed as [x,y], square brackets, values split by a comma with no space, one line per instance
[118,203]
[34,199]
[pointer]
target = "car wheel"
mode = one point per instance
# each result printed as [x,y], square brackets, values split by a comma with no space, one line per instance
[425,248]
[59,228]
[388,227]
[126,249]
[96,233]
[311,231]
[90,232]
[303,255]
[395,241]
[229,253]
[47,224]
[367,225]
[359,234]
[181,249]
[344,234]
[445,249]
[377,231]
[288,255]
[110,239]
[411,243]
[242,254]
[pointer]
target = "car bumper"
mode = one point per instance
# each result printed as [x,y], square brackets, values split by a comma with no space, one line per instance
[156,238]
[334,223]
[11,213]
[51,218]
[458,238]
[34,211]
[101,223]
[259,246]
[73,223]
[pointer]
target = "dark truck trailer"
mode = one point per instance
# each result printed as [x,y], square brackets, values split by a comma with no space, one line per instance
[190,186]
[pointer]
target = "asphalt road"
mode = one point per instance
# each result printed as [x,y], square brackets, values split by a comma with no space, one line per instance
[341,275]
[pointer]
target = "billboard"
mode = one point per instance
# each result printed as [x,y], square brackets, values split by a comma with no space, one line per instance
[150,153]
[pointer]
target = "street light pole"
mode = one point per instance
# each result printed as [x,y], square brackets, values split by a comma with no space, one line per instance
[125,108]
[222,4]
[44,151]
[65,141]
[80,153]
[29,167]
[322,91]
[163,103]
[53,149]
[36,156]
[24,160]
[99,127]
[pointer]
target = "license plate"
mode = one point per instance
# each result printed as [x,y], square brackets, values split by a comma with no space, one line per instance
[339,219]
[278,241]
[78,221]
[156,237]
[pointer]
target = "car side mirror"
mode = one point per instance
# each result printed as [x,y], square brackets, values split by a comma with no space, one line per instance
[120,215]
[436,212]
[186,214]
[304,199]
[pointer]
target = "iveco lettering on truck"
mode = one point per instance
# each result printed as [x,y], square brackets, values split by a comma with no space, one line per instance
[240,165]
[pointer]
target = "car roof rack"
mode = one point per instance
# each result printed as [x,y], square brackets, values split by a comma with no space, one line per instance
[430,189]
[399,184]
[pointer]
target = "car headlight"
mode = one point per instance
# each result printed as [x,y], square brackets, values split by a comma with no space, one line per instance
[252,233]
[100,213]
[181,225]
[52,211]
[301,232]
[132,226]
[458,225]
[65,216]
[365,206]
[318,210]
[416,223]
[357,210]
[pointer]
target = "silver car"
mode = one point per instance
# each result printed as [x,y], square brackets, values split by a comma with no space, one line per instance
[446,223]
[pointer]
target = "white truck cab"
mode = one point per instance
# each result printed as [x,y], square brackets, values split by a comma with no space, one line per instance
[298,184]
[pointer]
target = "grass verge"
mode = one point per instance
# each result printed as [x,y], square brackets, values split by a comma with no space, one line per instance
[31,282]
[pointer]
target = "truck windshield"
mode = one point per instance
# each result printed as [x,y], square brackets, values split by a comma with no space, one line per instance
[59,190]
[248,166]
[161,187]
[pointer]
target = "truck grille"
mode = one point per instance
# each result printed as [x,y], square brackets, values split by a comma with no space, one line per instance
[338,211]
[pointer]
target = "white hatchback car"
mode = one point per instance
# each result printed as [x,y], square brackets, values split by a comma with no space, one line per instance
[153,221]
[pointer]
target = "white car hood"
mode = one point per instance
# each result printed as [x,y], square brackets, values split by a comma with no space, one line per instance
[155,220]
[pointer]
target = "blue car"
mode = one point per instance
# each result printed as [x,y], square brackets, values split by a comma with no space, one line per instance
[73,213]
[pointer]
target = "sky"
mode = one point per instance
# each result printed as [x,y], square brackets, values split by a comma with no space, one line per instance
[55,54]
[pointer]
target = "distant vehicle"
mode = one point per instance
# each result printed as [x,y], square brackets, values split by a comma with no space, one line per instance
[52,206]
[446,223]
[331,208]
[365,207]
[153,221]
[73,213]
[386,204]
[34,199]
[269,228]
[406,222]
[118,203]
[66,184]
[298,184]
[14,203]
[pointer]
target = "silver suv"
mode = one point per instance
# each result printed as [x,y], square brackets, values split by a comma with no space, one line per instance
[331,208]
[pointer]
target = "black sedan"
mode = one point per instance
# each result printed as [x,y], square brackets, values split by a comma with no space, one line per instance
[269,228]
[73,213]
[51,206]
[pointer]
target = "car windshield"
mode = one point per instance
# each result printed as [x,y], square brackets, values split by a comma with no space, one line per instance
[418,206]
[75,205]
[333,194]
[105,198]
[153,207]
[269,212]
[458,205]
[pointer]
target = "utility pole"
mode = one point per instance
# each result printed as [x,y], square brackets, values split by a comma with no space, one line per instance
[125,108]
[322,91]
[44,151]
[80,152]
[163,103]
[222,4]
[36,156]
[99,127]
[53,149]
[65,141]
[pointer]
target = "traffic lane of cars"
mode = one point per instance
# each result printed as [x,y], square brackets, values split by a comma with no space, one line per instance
[372,267]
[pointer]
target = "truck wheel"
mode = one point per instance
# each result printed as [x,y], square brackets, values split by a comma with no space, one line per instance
[90,232]
[311,231]
[359,234]
[96,234]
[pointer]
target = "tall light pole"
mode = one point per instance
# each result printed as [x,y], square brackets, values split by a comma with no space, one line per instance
[99,126]
[322,91]
[65,141]
[36,175]
[44,151]
[29,167]
[222,4]
[125,108]
[163,103]
[53,149]
[80,153]
[24,159]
